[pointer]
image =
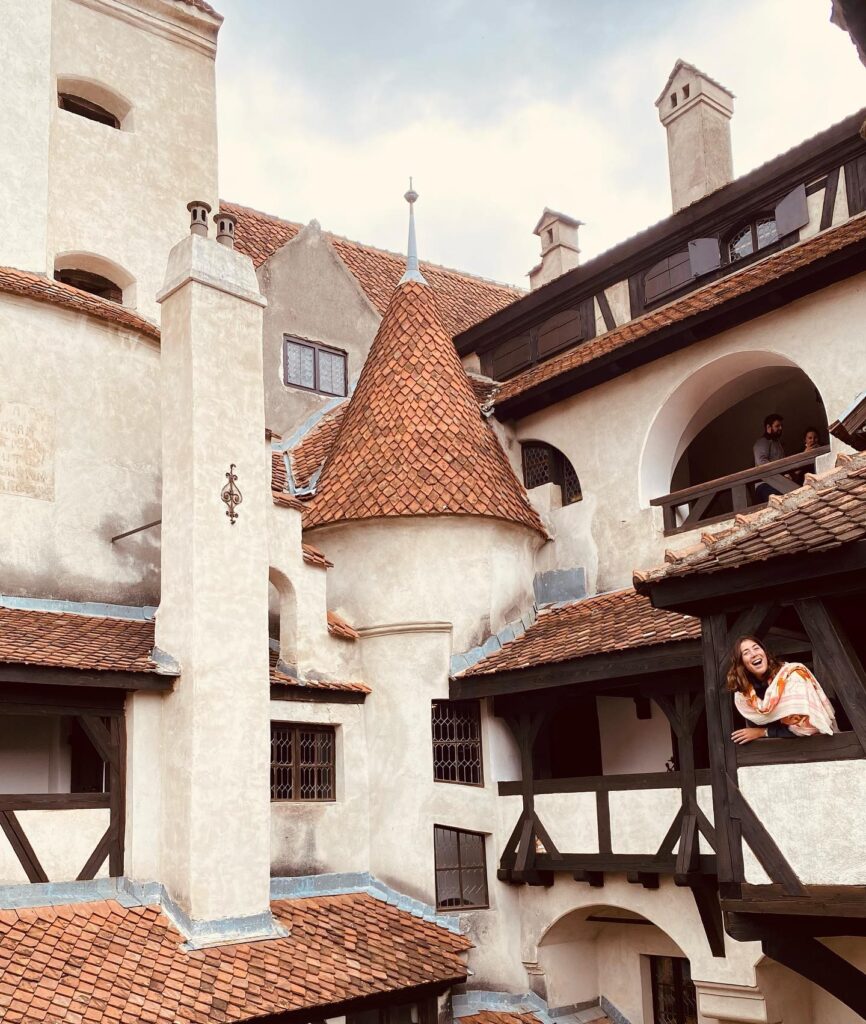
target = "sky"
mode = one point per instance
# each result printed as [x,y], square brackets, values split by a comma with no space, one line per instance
[498,108]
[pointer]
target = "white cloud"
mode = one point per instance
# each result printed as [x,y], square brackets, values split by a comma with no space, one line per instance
[596,151]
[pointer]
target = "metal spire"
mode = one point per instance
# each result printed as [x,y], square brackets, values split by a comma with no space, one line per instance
[413,271]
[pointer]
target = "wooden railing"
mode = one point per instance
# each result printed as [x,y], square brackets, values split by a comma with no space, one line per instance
[736,489]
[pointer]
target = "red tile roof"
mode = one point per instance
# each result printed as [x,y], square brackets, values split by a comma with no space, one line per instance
[311,451]
[312,556]
[110,964]
[618,621]
[337,626]
[497,1017]
[828,511]
[850,234]
[412,440]
[44,289]
[282,680]
[65,640]
[463,299]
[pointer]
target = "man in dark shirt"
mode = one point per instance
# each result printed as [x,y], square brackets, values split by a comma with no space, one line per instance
[768,448]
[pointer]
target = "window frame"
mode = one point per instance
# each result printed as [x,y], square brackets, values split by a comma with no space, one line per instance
[316,347]
[483,865]
[296,728]
[559,466]
[475,709]
[752,225]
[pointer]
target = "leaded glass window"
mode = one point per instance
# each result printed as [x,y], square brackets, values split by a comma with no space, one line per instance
[752,237]
[457,742]
[314,367]
[302,762]
[673,992]
[544,464]
[461,869]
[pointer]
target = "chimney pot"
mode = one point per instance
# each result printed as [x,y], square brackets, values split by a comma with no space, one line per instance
[198,213]
[226,223]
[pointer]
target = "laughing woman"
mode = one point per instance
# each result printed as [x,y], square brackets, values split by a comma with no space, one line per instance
[783,699]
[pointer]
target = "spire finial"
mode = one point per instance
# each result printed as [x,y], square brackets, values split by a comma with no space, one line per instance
[413,271]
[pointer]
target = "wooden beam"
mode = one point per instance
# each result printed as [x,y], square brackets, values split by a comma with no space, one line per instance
[41,675]
[602,806]
[818,900]
[97,858]
[595,879]
[762,844]
[819,964]
[618,862]
[117,793]
[840,658]
[844,746]
[610,783]
[706,899]
[21,845]
[52,801]
[99,736]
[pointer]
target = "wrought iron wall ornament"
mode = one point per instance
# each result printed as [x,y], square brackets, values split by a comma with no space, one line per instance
[231,495]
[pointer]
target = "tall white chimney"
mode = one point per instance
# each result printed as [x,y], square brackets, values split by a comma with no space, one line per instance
[213,612]
[696,111]
[559,249]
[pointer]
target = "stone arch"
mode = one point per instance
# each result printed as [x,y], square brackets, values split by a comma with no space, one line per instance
[704,397]
[283,607]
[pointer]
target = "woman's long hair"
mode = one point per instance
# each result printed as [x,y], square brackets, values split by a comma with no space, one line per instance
[739,677]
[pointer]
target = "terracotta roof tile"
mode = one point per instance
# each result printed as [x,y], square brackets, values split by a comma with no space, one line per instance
[463,299]
[412,440]
[281,679]
[829,510]
[311,451]
[111,964]
[851,233]
[65,640]
[312,556]
[618,621]
[44,289]
[498,1017]
[337,626]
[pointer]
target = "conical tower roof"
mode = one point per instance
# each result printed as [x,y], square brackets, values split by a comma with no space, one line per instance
[412,441]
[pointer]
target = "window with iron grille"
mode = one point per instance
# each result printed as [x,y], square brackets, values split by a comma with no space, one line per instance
[314,367]
[544,464]
[302,762]
[457,742]
[461,869]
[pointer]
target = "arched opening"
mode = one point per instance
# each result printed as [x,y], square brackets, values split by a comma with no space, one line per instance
[544,464]
[707,429]
[620,960]
[96,275]
[94,101]
[283,617]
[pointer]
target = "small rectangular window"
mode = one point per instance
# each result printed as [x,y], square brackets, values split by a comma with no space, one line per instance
[457,742]
[302,762]
[461,869]
[314,367]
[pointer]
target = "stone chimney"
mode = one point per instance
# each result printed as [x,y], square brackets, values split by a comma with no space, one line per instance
[696,111]
[559,249]
[213,613]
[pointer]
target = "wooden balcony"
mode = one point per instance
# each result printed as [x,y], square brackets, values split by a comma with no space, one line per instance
[697,506]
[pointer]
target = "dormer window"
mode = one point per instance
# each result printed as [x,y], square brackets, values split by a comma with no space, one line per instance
[752,237]
[314,367]
[94,101]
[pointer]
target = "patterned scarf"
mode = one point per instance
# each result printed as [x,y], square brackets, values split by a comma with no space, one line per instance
[795,699]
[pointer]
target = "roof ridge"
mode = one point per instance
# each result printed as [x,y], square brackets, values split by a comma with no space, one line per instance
[378,249]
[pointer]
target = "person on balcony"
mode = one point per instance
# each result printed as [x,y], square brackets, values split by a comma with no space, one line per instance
[768,448]
[811,439]
[783,699]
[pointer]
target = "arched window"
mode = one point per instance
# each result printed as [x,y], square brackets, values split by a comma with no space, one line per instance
[94,101]
[95,274]
[544,464]
[751,237]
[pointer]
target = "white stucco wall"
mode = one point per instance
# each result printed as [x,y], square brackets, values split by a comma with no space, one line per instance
[471,572]
[631,744]
[639,437]
[311,294]
[82,393]
[63,860]
[123,194]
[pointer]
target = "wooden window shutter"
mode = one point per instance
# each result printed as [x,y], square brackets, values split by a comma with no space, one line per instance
[704,255]
[668,274]
[511,356]
[792,212]
[855,185]
[559,331]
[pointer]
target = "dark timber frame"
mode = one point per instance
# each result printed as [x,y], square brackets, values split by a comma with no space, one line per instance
[89,698]
[787,915]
